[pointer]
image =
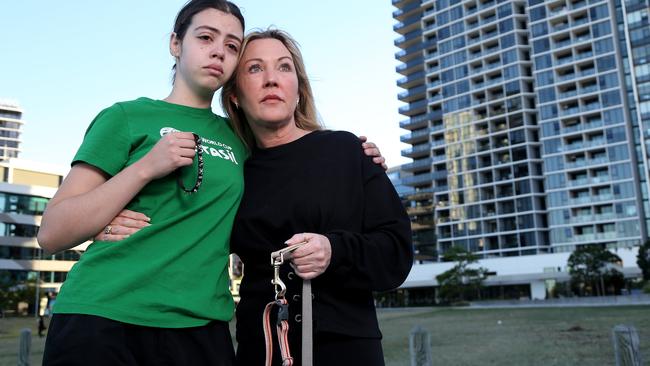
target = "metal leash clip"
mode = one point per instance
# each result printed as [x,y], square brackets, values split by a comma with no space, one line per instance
[277,259]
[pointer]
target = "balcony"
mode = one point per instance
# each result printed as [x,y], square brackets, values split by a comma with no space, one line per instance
[411,80]
[416,136]
[419,210]
[417,151]
[417,179]
[407,24]
[411,64]
[420,121]
[411,94]
[417,165]
[408,37]
[414,108]
[400,12]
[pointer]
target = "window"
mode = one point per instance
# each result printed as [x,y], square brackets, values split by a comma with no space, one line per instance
[621,171]
[543,62]
[552,146]
[460,71]
[608,81]
[537,13]
[604,46]
[611,98]
[540,29]
[616,134]
[541,45]
[545,78]
[601,29]
[444,33]
[618,153]
[613,116]
[513,88]
[548,111]
[598,12]
[462,87]
[606,63]
[556,199]
[509,57]
[640,34]
[511,72]
[554,163]
[504,10]
[506,26]
[551,128]
[546,95]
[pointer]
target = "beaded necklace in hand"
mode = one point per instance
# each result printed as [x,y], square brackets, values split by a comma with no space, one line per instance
[199,175]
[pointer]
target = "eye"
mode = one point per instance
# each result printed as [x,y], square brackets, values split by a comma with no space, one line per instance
[233,47]
[254,68]
[204,37]
[286,67]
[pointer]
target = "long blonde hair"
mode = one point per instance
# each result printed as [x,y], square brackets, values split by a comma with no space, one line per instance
[305,115]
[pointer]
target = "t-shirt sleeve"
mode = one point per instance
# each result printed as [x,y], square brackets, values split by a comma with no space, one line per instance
[106,144]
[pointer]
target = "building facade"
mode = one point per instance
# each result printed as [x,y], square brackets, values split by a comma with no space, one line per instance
[25,189]
[10,128]
[528,122]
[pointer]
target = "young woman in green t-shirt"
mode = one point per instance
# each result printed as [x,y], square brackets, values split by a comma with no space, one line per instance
[181,328]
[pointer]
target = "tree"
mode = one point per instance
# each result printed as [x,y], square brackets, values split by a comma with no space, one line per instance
[643,260]
[460,282]
[591,266]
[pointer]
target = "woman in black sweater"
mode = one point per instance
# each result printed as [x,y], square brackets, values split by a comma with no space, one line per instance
[303,183]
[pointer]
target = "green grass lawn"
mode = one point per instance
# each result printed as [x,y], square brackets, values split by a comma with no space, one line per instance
[463,336]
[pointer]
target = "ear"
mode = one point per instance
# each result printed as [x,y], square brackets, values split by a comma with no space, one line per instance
[233,99]
[175,45]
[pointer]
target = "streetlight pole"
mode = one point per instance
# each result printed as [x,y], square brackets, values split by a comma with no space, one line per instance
[37,292]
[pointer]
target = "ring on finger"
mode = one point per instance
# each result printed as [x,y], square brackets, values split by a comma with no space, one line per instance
[108,230]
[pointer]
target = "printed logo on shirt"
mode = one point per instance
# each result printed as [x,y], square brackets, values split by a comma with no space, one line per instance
[218,149]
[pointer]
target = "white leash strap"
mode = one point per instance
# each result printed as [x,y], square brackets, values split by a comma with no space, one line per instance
[307,328]
[277,258]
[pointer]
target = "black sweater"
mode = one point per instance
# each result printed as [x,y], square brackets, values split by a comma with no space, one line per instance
[321,183]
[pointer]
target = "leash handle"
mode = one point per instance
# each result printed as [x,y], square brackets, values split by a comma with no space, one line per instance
[277,259]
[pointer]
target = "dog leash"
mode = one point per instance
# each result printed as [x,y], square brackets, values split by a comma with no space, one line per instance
[282,324]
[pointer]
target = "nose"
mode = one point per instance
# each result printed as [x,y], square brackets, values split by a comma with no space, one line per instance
[218,52]
[270,79]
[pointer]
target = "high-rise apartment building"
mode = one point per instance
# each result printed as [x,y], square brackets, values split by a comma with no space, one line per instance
[10,126]
[529,122]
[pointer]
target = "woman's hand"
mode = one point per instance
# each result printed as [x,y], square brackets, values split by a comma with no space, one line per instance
[370,149]
[127,222]
[313,258]
[172,151]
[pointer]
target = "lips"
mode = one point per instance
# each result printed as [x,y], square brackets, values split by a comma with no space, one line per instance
[271,97]
[214,69]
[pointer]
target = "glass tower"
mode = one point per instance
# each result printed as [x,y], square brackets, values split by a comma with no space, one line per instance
[526,121]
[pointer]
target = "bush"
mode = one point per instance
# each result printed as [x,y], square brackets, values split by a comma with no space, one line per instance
[646,288]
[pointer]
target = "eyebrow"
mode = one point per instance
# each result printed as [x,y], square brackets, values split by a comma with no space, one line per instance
[260,60]
[215,30]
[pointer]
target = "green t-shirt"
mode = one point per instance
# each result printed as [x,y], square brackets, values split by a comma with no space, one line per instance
[173,273]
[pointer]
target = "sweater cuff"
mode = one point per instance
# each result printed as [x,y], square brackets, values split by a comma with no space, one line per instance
[337,257]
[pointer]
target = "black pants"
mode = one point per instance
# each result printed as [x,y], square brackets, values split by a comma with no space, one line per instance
[76,339]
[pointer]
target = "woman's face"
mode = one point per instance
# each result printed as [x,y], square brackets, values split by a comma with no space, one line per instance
[267,83]
[207,55]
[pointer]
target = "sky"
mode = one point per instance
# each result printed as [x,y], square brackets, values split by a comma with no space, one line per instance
[64,61]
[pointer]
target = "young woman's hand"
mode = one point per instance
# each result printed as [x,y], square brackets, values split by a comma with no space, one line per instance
[313,258]
[173,151]
[370,149]
[127,222]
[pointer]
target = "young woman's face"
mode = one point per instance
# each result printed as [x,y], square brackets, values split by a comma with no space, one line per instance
[267,83]
[207,55]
